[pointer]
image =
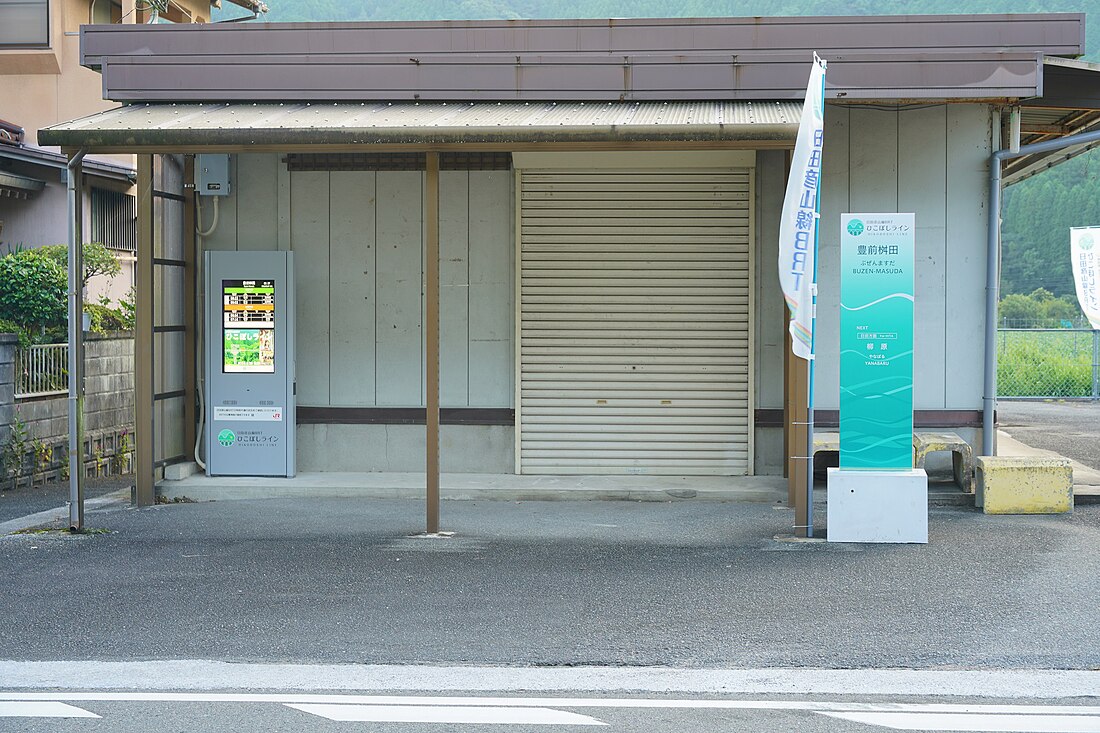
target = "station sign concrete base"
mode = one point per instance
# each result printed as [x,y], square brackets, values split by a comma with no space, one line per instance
[878,506]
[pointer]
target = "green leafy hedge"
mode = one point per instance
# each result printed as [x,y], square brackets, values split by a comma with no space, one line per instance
[32,291]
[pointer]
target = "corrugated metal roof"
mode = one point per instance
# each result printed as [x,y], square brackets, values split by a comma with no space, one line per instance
[342,123]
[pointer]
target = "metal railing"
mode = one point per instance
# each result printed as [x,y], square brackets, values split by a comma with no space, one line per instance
[1048,363]
[41,370]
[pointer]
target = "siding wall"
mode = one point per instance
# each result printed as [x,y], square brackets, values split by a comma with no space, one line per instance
[771,311]
[359,243]
[933,161]
[360,263]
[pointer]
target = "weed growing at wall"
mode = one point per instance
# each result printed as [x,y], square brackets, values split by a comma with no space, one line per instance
[13,453]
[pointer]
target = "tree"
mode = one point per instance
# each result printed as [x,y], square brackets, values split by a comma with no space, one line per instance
[98,260]
[1018,307]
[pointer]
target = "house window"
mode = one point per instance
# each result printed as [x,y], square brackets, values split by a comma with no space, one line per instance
[24,23]
[114,219]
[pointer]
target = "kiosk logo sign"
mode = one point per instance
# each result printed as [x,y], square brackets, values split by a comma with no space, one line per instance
[227,438]
[855,227]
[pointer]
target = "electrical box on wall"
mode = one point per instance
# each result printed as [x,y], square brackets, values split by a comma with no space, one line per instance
[212,175]
[249,345]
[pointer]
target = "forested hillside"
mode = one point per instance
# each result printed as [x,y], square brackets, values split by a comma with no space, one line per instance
[1038,211]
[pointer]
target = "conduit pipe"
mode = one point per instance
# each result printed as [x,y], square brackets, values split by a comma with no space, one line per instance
[993,267]
[199,322]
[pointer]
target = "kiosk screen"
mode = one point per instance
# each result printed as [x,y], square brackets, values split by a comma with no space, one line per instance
[248,326]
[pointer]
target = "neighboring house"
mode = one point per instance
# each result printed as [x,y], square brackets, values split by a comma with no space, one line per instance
[609,197]
[42,82]
[33,203]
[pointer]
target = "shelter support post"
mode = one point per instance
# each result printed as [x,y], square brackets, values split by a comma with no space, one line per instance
[431,336]
[75,187]
[145,440]
[799,459]
[190,313]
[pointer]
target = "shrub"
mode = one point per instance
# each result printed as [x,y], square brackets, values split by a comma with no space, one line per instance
[105,319]
[33,290]
[9,327]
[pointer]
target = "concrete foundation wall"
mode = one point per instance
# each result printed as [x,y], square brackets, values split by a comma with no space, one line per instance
[463,448]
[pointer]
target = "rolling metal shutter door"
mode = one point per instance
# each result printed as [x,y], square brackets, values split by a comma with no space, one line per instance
[635,321]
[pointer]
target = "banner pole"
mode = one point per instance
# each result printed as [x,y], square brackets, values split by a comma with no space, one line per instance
[798,248]
[813,341]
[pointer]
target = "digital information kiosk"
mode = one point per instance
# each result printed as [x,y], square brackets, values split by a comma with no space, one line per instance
[250,404]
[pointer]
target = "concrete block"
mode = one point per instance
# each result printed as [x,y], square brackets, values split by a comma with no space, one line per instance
[180,471]
[1024,485]
[878,506]
[95,385]
[768,449]
[962,455]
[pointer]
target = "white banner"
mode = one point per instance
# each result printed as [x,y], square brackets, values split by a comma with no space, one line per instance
[1084,249]
[801,212]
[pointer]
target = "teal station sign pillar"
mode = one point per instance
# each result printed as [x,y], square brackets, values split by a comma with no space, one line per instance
[876,495]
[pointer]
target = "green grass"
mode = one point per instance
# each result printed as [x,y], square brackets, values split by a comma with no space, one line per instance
[1044,364]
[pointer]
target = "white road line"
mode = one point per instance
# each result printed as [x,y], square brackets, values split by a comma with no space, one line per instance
[442,714]
[977,723]
[207,675]
[559,702]
[30,709]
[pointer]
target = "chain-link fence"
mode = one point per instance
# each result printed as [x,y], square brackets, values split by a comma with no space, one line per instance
[1043,363]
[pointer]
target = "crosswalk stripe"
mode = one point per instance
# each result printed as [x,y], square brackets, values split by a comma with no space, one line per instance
[975,722]
[42,709]
[441,714]
[558,702]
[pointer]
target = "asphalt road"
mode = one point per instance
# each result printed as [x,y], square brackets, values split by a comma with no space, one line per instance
[557,584]
[1069,428]
[20,502]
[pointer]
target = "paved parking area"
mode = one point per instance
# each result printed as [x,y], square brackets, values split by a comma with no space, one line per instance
[1069,428]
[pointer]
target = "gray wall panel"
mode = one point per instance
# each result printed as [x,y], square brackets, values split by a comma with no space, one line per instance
[309,239]
[771,311]
[353,272]
[922,187]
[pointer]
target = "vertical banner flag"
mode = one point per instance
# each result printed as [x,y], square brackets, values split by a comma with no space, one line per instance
[1084,249]
[799,219]
[877,254]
